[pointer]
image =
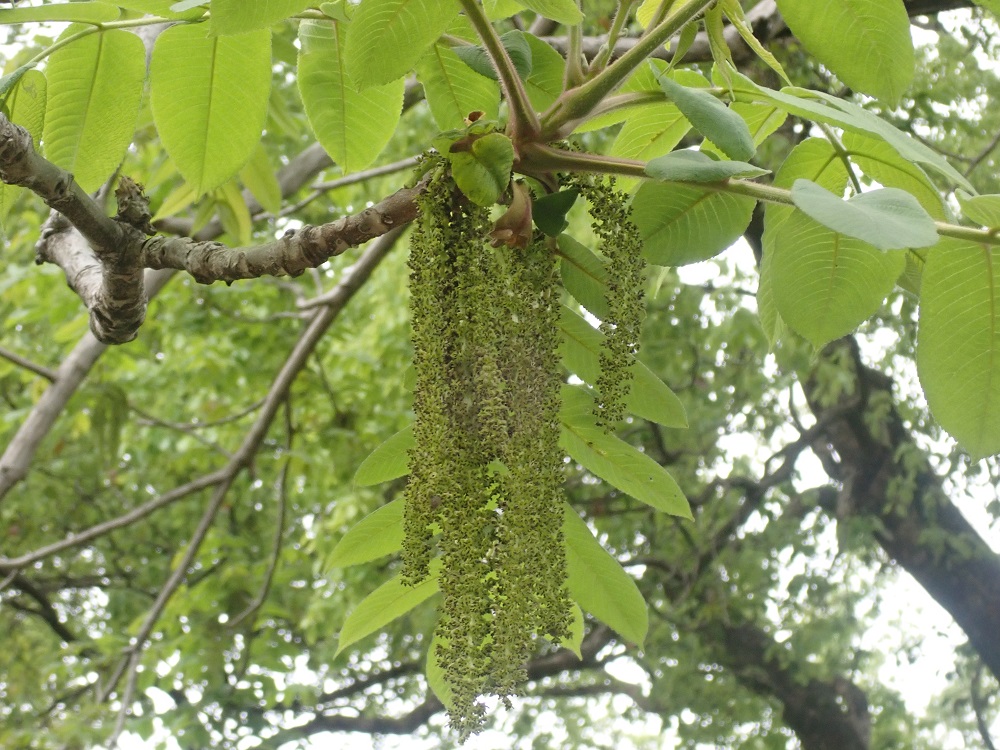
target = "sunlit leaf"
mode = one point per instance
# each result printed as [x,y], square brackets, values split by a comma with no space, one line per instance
[982,209]
[614,460]
[563,11]
[209,97]
[584,276]
[454,90]
[92,12]
[94,89]
[866,43]
[683,224]
[378,534]
[241,16]
[599,584]
[649,397]
[387,37]
[958,346]
[353,126]
[389,461]
[482,170]
[390,600]
[825,283]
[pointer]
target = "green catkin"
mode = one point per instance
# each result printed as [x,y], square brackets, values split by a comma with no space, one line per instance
[432,334]
[621,245]
[530,558]
[486,468]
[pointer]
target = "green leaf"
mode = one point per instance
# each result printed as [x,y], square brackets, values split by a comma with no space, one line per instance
[866,43]
[544,84]
[958,344]
[24,106]
[813,159]
[648,133]
[389,461]
[436,679]
[825,284]
[482,169]
[574,639]
[387,37]
[712,119]
[259,178]
[889,218]
[233,212]
[518,49]
[878,160]
[497,10]
[982,209]
[563,11]
[695,166]
[682,224]
[643,80]
[209,96]
[599,584]
[649,397]
[549,211]
[93,12]
[390,600]
[584,276]
[241,16]
[453,89]
[335,10]
[761,119]
[10,80]
[614,460]
[734,11]
[94,90]
[825,108]
[177,200]
[378,534]
[353,126]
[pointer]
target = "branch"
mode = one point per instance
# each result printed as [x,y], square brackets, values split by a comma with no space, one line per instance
[886,471]
[45,611]
[298,250]
[277,394]
[825,715]
[107,275]
[44,372]
[17,457]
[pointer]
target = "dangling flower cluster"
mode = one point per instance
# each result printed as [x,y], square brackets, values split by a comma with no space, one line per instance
[622,247]
[486,467]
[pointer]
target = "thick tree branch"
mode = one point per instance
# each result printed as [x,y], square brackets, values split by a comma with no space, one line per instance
[20,452]
[764,18]
[888,477]
[825,715]
[298,250]
[108,276]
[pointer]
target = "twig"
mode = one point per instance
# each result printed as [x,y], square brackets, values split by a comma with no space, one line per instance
[44,372]
[982,155]
[277,394]
[321,188]
[979,707]
[279,526]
